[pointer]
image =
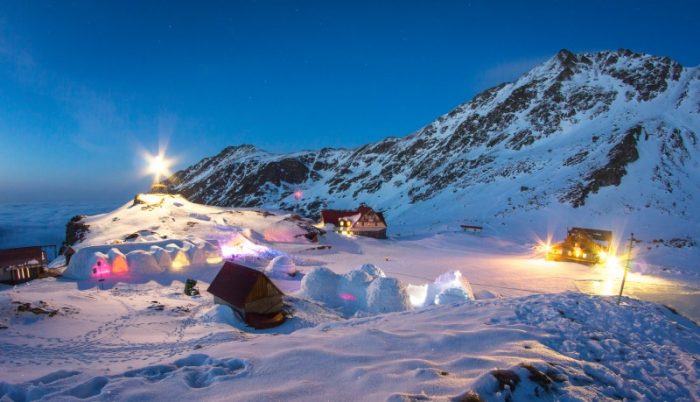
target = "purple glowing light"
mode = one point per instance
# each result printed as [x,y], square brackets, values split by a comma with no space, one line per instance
[347,297]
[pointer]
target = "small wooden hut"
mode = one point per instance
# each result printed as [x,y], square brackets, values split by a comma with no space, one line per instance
[250,294]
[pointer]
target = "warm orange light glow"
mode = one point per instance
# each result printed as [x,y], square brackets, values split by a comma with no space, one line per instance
[180,261]
[214,260]
[119,265]
[613,267]
[577,251]
[544,247]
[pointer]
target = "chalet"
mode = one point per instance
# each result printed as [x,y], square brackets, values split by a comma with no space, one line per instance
[19,265]
[363,221]
[251,295]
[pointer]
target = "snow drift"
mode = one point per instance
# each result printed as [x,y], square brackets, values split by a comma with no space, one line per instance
[364,290]
[450,287]
[281,267]
[367,290]
[556,347]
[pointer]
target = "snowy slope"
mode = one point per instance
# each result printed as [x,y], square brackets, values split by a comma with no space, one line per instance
[113,345]
[607,138]
[164,216]
[162,232]
[351,334]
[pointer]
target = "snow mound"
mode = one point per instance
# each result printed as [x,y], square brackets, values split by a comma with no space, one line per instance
[196,255]
[220,314]
[450,287]
[133,259]
[143,261]
[386,295]
[486,294]
[162,257]
[283,232]
[118,261]
[281,267]
[372,270]
[243,244]
[364,290]
[304,314]
[321,285]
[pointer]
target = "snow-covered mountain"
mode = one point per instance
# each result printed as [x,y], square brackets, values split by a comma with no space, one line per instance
[581,136]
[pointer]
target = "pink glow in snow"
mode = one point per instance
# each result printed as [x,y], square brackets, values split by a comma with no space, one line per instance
[298,194]
[240,248]
[227,251]
[101,268]
[347,297]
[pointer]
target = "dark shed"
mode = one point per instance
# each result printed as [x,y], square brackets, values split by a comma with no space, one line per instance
[21,264]
[250,293]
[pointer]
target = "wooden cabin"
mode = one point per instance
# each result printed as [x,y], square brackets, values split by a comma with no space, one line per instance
[251,295]
[364,221]
[22,264]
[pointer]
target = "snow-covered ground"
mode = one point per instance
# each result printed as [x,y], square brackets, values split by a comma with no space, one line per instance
[537,329]
[512,268]
[118,344]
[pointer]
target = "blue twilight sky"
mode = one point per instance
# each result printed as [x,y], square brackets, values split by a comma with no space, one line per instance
[86,85]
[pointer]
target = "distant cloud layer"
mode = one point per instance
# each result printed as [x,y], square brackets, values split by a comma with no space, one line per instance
[41,223]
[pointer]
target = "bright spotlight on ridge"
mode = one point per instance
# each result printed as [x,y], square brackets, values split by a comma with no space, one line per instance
[158,166]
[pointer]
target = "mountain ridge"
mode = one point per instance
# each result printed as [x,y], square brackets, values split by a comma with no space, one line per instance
[599,111]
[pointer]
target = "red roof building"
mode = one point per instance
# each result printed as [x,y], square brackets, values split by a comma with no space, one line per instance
[363,221]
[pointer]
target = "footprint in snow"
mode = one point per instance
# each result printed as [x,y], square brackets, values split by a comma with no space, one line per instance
[88,389]
[55,376]
[197,371]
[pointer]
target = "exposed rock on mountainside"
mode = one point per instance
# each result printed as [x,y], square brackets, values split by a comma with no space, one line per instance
[565,130]
[76,229]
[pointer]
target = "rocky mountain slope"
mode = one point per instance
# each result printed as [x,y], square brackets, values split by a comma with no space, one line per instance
[589,136]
